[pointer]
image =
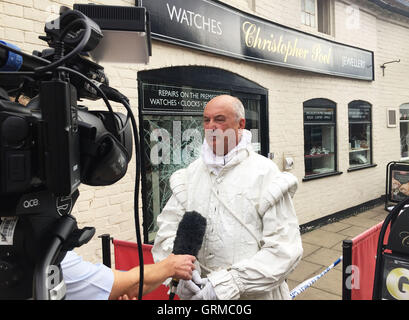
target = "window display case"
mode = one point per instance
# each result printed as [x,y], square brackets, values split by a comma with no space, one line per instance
[404,130]
[360,137]
[319,138]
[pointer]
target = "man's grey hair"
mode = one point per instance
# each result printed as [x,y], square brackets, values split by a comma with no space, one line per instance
[238,109]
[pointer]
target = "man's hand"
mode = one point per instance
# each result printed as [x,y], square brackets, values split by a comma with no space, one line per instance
[196,289]
[206,293]
[186,289]
[180,266]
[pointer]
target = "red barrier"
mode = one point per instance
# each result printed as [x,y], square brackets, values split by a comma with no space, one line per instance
[363,256]
[127,257]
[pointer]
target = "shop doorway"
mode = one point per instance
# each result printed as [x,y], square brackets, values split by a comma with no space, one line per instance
[171,103]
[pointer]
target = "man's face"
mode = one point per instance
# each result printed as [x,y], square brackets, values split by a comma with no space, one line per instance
[221,125]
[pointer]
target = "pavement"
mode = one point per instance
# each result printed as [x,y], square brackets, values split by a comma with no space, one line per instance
[322,247]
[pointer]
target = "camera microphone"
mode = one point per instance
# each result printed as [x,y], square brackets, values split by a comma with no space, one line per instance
[189,239]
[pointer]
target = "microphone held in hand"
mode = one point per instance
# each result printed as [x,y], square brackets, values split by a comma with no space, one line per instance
[189,239]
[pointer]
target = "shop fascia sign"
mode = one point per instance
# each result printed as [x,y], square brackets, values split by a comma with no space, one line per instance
[217,28]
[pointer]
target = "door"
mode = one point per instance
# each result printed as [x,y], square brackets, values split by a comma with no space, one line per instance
[171,112]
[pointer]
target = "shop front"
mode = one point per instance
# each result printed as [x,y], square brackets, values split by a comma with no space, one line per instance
[249,57]
[171,102]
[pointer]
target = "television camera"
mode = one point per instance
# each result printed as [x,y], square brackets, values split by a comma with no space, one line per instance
[48,147]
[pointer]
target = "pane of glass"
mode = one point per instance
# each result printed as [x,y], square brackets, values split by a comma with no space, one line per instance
[314,115]
[302,5]
[323,16]
[359,113]
[404,139]
[312,21]
[404,113]
[319,149]
[170,143]
[303,17]
[310,6]
[359,144]
[252,108]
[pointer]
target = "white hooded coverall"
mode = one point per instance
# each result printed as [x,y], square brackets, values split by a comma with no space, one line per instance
[252,240]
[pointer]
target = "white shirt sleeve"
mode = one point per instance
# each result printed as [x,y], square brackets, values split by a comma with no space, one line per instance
[85,280]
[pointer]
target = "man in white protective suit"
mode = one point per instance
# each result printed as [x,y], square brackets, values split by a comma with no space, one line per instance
[252,240]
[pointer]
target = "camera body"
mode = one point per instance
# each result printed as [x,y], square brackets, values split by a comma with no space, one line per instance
[54,144]
[48,147]
[40,147]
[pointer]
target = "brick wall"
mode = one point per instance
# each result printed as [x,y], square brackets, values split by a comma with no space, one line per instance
[110,209]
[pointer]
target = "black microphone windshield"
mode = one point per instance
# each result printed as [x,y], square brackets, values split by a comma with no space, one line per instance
[190,233]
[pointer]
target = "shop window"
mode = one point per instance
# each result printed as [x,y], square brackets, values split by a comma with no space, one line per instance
[308,13]
[360,134]
[319,137]
[317,14]
[404,130]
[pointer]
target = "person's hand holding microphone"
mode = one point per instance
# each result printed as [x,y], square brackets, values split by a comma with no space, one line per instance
[189,238]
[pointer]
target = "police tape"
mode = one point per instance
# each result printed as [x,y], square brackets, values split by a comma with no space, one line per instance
[309,282]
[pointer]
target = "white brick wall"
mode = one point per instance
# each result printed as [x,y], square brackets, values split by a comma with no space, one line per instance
[110,209]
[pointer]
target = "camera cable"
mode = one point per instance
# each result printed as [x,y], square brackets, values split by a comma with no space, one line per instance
[136,193]
[85,38]
[108,93]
